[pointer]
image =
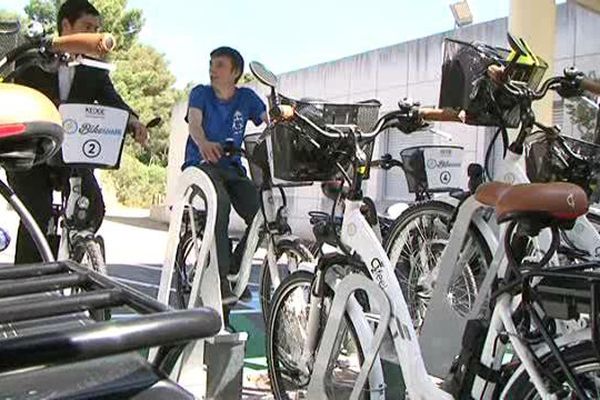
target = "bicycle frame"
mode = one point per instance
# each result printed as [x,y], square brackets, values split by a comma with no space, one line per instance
[439,351]
[196,186]
[357,234]
[69,233]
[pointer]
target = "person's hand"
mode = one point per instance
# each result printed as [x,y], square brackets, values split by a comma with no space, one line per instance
[210,151]
[496,73]
[140,132]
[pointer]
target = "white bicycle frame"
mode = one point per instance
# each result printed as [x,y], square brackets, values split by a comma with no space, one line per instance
[357,235]
[69,236]
[439,351]
[195,177]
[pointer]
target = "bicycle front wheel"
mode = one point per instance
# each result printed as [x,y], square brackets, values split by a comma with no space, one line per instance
[185,267]
[287,330]
[89,253]
[416,242]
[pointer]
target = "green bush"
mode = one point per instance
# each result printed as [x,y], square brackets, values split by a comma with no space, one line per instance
[136,184]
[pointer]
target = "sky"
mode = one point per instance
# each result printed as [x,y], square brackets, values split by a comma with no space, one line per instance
[287,35]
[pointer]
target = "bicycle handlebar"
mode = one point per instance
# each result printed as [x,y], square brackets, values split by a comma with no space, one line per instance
[83,43]
[442,115]
[386,162]
[590,85]
[571,83]
[92,44]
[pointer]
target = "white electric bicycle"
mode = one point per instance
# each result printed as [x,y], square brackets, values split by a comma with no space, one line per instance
[269,228]
[293,361]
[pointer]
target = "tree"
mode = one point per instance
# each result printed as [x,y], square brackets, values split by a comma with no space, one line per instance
[8,15]
[122,23]
[44,11]
[145,82]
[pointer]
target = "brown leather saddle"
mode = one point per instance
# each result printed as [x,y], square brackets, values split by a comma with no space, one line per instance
[543,204]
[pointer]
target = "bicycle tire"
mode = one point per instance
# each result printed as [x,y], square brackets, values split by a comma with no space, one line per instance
[283,247]
[277,372]
[581,358]
[92,250]
[405,269]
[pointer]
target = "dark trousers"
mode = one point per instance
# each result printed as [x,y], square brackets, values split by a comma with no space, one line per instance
[34,188]
[233,189]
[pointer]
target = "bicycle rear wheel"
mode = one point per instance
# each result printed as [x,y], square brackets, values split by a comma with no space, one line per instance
[288,255]
[581,359]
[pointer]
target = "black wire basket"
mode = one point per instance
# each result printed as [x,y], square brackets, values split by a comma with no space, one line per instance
[564,159]
[466,86]
[421,172]
[301,154]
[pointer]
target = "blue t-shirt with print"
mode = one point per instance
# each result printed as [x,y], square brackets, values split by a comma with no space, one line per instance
[222,120]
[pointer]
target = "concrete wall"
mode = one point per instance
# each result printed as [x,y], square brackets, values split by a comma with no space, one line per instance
[413,69]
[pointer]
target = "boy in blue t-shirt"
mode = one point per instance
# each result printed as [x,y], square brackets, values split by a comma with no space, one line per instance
[217,113]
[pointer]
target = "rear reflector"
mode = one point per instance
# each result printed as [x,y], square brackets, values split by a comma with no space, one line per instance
[12,130]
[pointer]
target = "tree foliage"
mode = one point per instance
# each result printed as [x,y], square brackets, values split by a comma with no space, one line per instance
[145,82]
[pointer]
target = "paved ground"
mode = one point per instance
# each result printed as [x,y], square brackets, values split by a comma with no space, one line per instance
[135,249]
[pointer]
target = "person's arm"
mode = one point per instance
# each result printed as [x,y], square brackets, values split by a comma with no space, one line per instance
[108,96]
[210,151]
[258,109]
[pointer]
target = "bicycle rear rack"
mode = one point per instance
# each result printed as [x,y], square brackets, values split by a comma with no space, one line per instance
[41,326]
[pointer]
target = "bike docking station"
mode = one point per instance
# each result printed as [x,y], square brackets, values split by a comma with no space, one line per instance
[344,303]
[211,368]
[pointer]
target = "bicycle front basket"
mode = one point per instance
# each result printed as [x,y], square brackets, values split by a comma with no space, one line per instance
[301,154]
[546,161]
[466,86]
[363,115]
[433,168]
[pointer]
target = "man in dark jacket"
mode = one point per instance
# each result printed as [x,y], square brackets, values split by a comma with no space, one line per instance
[81,84]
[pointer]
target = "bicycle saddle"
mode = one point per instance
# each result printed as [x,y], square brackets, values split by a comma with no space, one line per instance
[490,192]
[30,127]
[560,201]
